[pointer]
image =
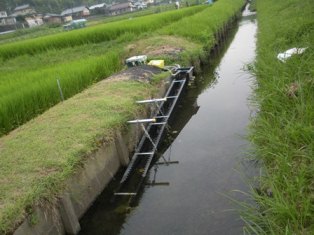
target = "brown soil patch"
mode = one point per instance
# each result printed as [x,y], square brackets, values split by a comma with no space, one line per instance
[165,49]
[159,46]
[142,73]
[162,50]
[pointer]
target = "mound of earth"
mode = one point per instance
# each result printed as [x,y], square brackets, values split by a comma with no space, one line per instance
[142,73]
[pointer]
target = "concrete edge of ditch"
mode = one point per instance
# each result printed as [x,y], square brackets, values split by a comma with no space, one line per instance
[82,189]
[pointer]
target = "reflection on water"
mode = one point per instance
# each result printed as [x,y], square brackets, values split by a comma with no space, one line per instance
[206,143]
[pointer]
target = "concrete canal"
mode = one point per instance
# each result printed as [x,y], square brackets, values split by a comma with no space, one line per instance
[207,140]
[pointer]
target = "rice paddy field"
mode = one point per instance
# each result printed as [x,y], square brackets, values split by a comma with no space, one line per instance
[39,155]
[27,79]
[31,67]
[283,129]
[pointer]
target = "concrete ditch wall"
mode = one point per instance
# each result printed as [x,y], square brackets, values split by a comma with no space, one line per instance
[82,189]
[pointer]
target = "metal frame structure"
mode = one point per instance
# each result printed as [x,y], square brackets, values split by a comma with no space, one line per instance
[153,129]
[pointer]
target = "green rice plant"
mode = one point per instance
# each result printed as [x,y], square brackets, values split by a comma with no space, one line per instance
[51,58]
[25,93]
[202,26]
[96,34]
[283,130]
[24,96]
[27,33]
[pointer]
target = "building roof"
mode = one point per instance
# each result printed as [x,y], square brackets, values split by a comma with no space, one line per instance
[98,6]
[119,6]
[48,15]
[73,10]
[25,6]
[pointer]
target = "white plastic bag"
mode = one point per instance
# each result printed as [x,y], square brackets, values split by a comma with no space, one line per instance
[288,53]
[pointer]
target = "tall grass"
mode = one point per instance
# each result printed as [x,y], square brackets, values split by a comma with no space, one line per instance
[96,34]
[283,131]
[203,28]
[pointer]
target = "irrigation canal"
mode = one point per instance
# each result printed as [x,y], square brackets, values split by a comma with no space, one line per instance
[207,140]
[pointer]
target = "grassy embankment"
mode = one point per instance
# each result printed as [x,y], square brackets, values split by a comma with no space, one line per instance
[38,157]
[283,131]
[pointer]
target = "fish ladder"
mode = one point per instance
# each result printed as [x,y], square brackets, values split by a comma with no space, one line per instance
[153,129]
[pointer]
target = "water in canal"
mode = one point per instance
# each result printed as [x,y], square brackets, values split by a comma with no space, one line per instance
[208,141]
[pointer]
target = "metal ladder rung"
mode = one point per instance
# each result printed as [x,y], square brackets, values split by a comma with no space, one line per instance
[151,100]
[159,123]
[172,97]
[161,117]
[124,194]
[142,121]
[145,153]
[158,183]
[167,163]
[179,80]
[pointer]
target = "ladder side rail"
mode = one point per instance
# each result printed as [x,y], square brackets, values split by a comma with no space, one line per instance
[140,145]
[163,127]
[129,168]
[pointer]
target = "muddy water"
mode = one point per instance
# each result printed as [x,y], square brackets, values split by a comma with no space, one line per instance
[207,140]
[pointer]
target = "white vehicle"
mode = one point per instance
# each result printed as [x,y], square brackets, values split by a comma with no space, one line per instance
[140,5]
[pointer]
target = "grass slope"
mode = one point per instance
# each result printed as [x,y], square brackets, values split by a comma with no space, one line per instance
[37,157]
[283,131]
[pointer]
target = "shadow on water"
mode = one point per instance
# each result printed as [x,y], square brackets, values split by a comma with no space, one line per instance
[202,138]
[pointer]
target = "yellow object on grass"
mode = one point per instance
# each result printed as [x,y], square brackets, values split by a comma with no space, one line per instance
[157,63]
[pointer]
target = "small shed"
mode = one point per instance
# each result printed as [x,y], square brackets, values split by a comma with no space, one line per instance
[10,20]
[34,20]
[76,12]
[52,19]
[99,8]
[23,10]
[120,8]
